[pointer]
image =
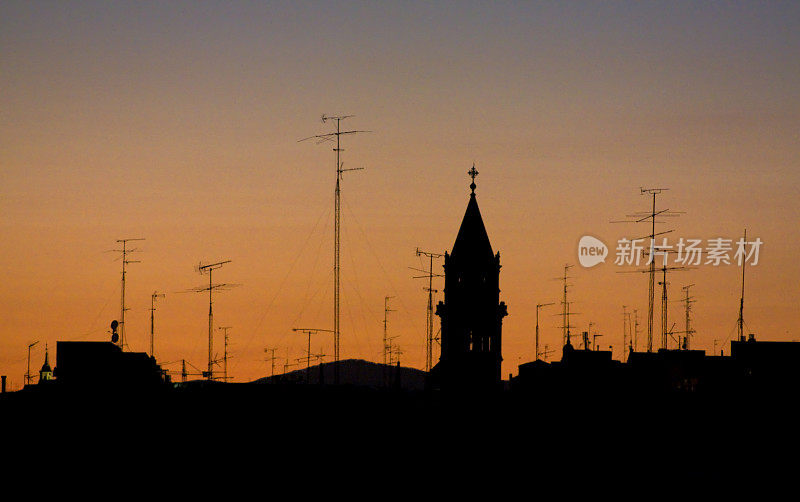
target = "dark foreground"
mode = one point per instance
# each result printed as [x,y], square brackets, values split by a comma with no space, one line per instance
[359,437]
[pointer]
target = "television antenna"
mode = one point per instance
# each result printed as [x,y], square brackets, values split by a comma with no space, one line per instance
[209,269]
[641,217]
[337,222]
[429,337]
[125,261]
[309,332]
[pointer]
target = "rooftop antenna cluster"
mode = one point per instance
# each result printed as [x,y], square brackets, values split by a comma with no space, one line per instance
[429,336]
[641,217]
[337,221]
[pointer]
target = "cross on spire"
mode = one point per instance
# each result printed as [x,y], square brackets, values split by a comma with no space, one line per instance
[473,172]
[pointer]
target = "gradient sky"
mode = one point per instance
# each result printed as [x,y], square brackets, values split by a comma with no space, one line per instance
[179,122]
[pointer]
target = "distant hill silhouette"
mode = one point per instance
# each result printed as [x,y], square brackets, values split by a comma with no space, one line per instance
[355,372]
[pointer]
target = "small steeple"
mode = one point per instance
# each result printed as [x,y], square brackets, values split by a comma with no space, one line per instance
[472,240]
[46,373]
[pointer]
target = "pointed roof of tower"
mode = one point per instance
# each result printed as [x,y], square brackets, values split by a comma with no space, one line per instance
[472,239]
[46,365]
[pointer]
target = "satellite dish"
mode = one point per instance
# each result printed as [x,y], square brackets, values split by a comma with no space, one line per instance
[114,325]
[114,337]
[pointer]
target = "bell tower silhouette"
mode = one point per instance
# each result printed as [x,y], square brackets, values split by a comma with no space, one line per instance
[471,313]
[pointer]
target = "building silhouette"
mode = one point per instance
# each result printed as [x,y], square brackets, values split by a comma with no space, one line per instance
[471,313]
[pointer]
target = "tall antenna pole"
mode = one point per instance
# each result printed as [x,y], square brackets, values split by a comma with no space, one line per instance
[429,319]
[538,307]
[740,322]
[209,269]
[337,226]
[153,317]
[565,309]
[663,284]
[125,261]
[386,311]
[651,284]
[688,331]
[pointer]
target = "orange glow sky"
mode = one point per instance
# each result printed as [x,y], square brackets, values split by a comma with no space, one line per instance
[180,123]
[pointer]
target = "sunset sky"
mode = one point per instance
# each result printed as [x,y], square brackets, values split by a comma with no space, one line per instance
[178,122]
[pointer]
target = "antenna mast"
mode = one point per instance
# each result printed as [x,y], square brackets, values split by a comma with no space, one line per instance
[429,328]
[337,224]
[639,218]
[740,322]
[309,332]
[125,261]
[153,298]
[224,330]
[209,268]
[565,309]
[271,358]
[386,311]
[538,307]
[688,331]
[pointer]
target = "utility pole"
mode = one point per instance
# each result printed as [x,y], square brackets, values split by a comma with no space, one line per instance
[153,298]
[337,224]
[209,269]
[538,307]
[429,327]
[28,372]
[125,261]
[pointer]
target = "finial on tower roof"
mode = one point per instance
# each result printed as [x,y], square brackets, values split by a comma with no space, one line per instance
[473,172]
